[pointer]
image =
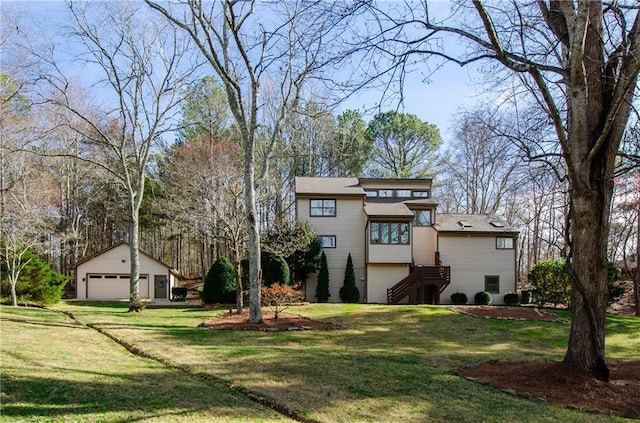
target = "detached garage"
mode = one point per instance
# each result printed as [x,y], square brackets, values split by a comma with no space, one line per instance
[106,276]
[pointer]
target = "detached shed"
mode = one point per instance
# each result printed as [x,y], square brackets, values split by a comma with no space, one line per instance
[106,276]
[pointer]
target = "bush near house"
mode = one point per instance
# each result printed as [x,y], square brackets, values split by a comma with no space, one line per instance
[459,298]
[277,271]
[511,298]
[552,284]
[349,292]
[220,283]
[38,282]
[322,289]
[483,298]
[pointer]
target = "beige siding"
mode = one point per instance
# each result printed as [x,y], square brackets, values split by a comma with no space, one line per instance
[424,245]
[380,277]
[348,226]
[383,253]
[116,262]
[471,257]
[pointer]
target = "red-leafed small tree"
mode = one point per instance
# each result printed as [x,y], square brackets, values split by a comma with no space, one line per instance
[280,296]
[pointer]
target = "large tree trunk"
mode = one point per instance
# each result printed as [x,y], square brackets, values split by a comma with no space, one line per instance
[588,268]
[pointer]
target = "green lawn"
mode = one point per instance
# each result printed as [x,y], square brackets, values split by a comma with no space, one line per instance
[386,363]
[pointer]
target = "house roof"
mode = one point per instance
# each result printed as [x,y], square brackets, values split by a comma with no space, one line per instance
[398,210]
[472,223]
[421,202]
[324,186]
[99,253]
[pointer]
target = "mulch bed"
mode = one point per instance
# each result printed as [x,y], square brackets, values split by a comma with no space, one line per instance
[564,385]
[509,313]
[557,382]
[285,321]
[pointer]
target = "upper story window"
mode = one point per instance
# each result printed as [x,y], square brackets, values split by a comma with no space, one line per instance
[371,193]
[323,208]
[403,193]
[420,194]
[504,243]
[423,218]
[387,193]
[394,233]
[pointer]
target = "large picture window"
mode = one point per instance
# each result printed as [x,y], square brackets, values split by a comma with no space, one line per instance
[323,208]
[392,233]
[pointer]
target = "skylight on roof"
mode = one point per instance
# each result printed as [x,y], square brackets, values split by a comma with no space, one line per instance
[464,224]
[496,224]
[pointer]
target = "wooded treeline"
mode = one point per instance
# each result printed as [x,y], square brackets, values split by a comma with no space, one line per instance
[59,193]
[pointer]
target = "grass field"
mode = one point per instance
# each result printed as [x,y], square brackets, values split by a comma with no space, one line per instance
[386,363]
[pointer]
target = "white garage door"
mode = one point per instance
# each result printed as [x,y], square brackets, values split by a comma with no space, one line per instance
[114,287]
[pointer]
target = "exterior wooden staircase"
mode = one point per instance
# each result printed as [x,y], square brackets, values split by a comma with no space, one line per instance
[420,276]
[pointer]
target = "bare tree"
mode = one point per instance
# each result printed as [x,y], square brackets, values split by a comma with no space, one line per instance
[142,66]
[247,52]
[579,62]
[484,167]
[203,177]
[22,196]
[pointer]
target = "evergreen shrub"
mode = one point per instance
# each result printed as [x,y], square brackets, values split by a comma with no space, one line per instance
[459,298]
[483,298]
[322,289]
[220,283]
[511,298]
[38,282]
[349,292]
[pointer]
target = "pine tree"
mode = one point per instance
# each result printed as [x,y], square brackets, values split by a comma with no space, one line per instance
[322,290]
[349,292]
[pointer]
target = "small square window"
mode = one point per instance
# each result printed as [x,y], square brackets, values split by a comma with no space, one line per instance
[504,243]
[492,284]
[423,218]
[328,241]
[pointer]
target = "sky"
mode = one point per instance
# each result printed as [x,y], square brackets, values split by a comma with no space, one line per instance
[436,100]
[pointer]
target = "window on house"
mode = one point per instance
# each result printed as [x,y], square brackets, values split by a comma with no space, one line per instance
[420,194]
[327,241]
[403,193]
[492,284]
[371,193]
[374,232]
[388,193]
[323,207]
[504,243]
[394,233]
[423,218]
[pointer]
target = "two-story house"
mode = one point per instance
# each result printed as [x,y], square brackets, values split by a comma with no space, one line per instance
[403,251]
